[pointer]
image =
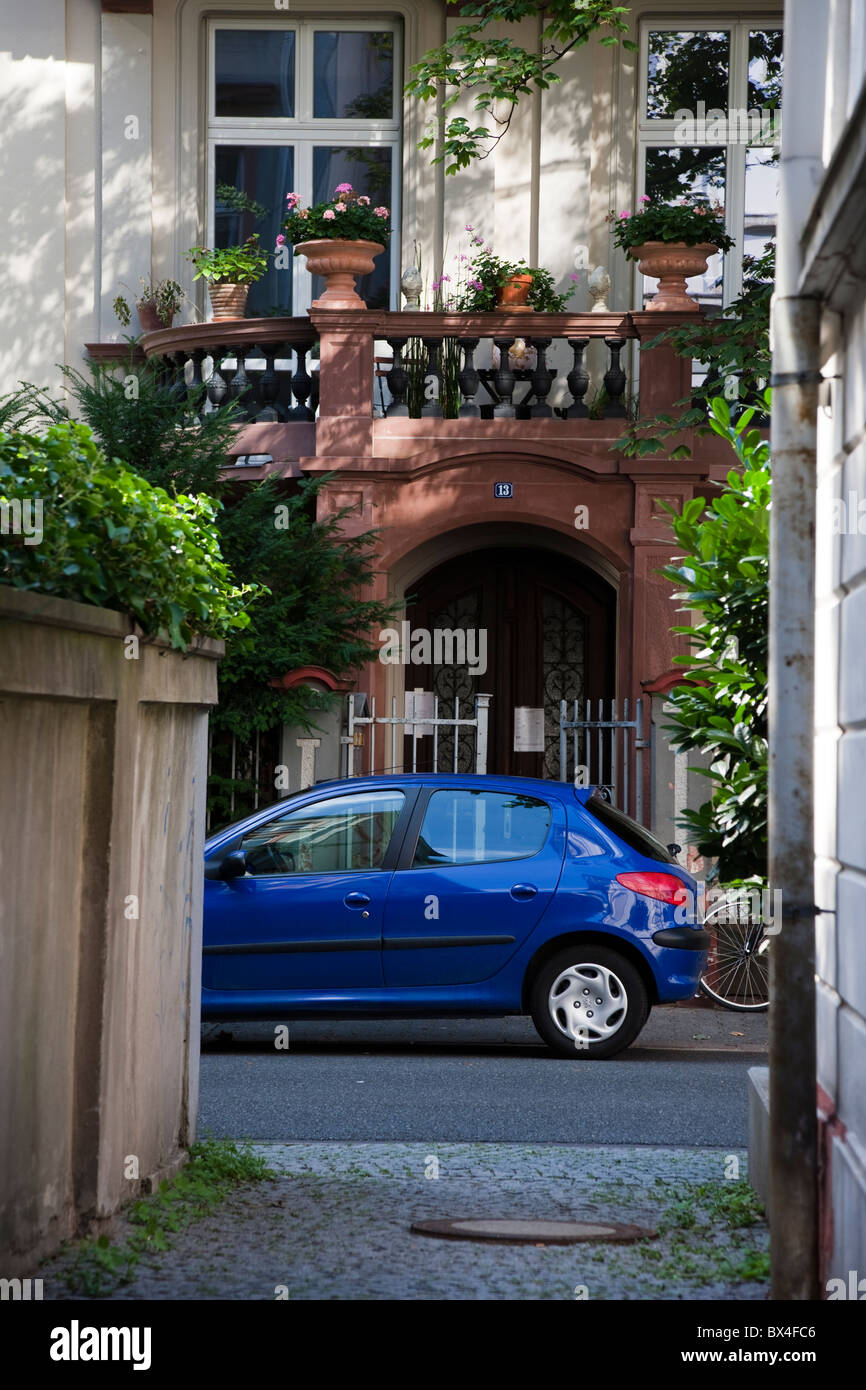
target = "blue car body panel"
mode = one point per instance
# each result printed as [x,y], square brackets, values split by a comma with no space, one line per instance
[432,939]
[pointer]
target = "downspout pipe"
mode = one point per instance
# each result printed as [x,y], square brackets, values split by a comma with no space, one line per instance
[796,320]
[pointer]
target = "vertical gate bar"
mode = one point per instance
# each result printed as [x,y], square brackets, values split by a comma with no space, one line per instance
[372,733]
[612,741]
[563,741]
[350,746]
[456,729]
[626,806]
[414,737]
[435,734]
[256,774]
[638,768]
[234,764]
[600,745]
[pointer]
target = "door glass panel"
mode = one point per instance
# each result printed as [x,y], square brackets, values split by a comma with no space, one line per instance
[468,827]
[762,193]
[250,196]
[255,72]
[685,67]
[353,75]
[455,681]
[368,170]
[343,833]
[564,630]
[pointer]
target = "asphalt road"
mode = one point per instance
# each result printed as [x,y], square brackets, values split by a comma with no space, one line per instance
[682,1084]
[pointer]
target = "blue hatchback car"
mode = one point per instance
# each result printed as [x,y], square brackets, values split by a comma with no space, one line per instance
[437,895]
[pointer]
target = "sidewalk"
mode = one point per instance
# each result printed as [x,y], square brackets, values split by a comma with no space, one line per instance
[335,1225]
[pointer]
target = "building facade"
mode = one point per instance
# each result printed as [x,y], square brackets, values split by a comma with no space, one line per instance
[137,129]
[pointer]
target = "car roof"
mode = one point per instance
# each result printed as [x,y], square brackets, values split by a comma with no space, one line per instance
[476,780]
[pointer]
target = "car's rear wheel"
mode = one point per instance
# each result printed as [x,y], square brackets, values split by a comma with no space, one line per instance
[588,1001]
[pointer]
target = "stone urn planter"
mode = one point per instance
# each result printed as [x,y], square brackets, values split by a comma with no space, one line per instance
[340,262]
[148,317]
[514,294]
[672,263]
[228,301]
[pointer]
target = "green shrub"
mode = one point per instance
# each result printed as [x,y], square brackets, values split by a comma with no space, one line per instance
[110,538]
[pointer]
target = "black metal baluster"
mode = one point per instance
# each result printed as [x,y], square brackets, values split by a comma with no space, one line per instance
[217,388]
[432,405]
[578,380]
[269,386]
[469,381]
[614,381]
[302,385]
[543,378]
[240,386]
[397,378]
[503,380]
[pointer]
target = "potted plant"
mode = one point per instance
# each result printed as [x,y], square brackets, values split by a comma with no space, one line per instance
[229,271]
[489,282]
[340,240]
[157,303]
[672,242]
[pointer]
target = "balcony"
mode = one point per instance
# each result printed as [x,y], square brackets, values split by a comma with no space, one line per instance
[376,388]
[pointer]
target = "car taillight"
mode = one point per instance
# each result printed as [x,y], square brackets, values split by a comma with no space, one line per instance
[665,887]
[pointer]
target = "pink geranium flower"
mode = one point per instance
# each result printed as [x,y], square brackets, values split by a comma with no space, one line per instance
[341,207]
[293,199]
[343,188]
[281,240]
[645,199]
[381,212]
[364,201]
[328,214]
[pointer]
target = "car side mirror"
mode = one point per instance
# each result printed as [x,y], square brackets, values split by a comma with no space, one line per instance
[233,866]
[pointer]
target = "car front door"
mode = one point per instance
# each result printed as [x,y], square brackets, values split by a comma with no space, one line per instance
[479,871]
[308,911]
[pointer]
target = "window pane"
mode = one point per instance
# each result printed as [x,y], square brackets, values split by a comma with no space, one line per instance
[466,827]
[680,172]
[343,833]
[251,186]
[762,193]
[368,170]
[765,68]
[255,72]
[354,75]
[686,67]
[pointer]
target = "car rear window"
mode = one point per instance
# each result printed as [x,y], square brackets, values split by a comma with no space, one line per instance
[628,830]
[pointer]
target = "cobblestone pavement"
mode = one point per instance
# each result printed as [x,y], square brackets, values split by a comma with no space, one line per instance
[334,1224]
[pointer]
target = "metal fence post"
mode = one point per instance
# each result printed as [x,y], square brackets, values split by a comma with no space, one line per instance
[482,705]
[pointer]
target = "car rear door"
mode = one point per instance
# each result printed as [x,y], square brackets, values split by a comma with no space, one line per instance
[478,869]
[308,912]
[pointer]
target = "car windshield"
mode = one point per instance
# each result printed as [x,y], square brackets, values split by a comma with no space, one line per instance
[628,830]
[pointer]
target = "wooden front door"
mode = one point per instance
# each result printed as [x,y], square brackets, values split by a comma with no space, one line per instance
[548,626]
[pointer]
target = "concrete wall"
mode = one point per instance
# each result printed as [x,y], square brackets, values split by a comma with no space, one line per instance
[835,272]
[102,807]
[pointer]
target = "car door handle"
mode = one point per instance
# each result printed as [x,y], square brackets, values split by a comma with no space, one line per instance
[523,891]
[356,900]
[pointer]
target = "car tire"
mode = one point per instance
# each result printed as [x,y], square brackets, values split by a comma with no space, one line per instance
[596,986]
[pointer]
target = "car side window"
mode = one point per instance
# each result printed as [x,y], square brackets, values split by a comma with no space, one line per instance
[333,836]
[474,827]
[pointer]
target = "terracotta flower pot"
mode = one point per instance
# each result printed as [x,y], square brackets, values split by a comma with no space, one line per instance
[672,263]
[340,262]
[228,301]
[514,293]
[149,318]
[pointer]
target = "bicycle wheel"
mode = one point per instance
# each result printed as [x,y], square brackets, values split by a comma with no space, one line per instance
[738,971]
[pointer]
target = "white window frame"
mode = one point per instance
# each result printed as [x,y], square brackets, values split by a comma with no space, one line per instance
[303,130]
[655,133]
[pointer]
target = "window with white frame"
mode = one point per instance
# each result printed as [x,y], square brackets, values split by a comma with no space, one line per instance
[300,107]
[710,124]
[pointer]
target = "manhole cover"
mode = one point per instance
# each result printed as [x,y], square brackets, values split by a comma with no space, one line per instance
[514,1232]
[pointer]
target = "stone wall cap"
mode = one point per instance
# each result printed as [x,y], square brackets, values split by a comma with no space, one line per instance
[29,606]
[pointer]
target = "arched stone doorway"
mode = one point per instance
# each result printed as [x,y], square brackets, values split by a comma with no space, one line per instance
[540,627]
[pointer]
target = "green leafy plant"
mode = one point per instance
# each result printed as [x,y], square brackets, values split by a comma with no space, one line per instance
[214,1170]
[478,285]
[495,73]
[230,265]
[109,538]
[694,221]
[348,216]
[165,296]
[723,575]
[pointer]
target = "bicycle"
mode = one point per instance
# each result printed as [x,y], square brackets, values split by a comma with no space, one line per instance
[738,971]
